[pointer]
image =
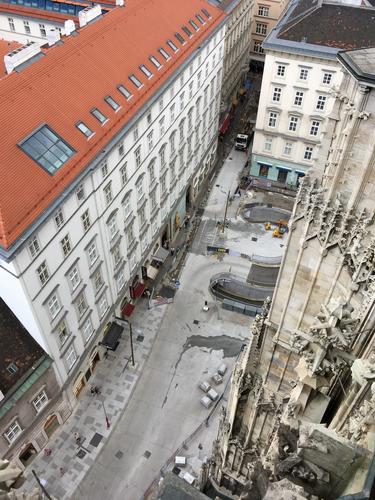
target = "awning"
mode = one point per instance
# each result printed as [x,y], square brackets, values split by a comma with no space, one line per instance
[287,169]
[265,164]
[160,255]
[301,172]
[225,125]
[111,338]
[152,272]
[137,290]
[127,310]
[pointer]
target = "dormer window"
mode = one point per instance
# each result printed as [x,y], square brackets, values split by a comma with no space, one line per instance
[124,91]
[206,13]
[111,102]
[172,45]
[164,54]
[186,30]
[135,81]
[146,71]
[85,130]
[99,115]
[194,25]
[155,62]
[200,19]
[180,38]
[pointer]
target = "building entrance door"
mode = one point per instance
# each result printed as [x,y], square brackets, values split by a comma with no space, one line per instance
[51,425]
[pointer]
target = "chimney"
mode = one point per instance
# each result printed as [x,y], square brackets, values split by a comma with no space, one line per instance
[69,27]
[88,14]
[120,3]
[53,36]
[21,55]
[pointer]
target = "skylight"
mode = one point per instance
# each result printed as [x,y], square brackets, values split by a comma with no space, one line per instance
[124,91]
[84,129]
[111,102]
[48,149]
[180,38]
[172,45]
[99,115]
[200,19]
[186,30]
[155,62]
[193,25]
[206,13]
[145,70]
[164,53]
[135,80]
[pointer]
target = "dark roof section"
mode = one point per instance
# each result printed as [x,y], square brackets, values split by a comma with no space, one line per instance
[225,5]
[301,10]
[332,25]
[360,63]
[17,347]
[175,488]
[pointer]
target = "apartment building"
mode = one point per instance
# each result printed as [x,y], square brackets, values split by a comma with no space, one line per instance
[110,134]
[297,110]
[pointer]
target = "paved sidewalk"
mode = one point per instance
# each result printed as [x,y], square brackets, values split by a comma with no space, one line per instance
[116,379]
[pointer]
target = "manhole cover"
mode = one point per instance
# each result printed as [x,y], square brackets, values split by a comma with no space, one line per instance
[254,238]
[140,338]
[119,454]
[81,454]
[147,454]
[196,322]
[96,439]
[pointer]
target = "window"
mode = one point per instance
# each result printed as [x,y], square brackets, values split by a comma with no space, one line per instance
[199,79]
[308,153]
[298,98]
[85,217]
[126,206]
[142,216]
[26,26]
[186,30]
[112,103]
[139,188]
[182,101]
[87,329]
[206,13]
[84,129]
[155,62]
[162,126]
[263,170]
[34,247]
[63,333]
[65,245]
[124,91]
[172,113]
[161,105]
[151,171]
[99,115]
[112,227]
[314,129]
[135,134]
[261,29]
[133,261]
[276,94]
[11,24]
[12,368]
[194,25]
[150,141]
[104,169]
[80,192]
[172,141]
[280,70]
[258,47]
[164,53]
[124,174]
[200,19]
[120,281]
[272,118]
[321,102]
[47,148]
[42,30]
[163,184]
[70,357]
[172,45]
[103,306]
[40,401]
[191,90]
[153,200]
[268,144]
[135,81]
[182,131]
[108,193]
[54,306]
[116,255]
[180,38]
[81,304]
[146,71]
[190,118]
[263,11]
[303,73]
[74,278]
[327,78]
[293,124]
[12,431]
[288,146]
[98,280]
[92,253]
[137,155]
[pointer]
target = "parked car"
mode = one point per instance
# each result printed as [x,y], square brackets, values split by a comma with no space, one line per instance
[206,401]
[204,386]
[213,395]
[222,369]
[217,378]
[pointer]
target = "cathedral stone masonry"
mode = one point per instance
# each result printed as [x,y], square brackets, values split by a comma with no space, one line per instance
[300,420]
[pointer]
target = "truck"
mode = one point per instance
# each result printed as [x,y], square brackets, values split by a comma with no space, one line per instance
[242,142]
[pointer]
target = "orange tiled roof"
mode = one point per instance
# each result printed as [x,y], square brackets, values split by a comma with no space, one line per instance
[19,10]
[5,47]
[64,85]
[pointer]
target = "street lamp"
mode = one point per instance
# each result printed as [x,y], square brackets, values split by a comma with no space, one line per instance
[226,207]
[131,335]
[108,423]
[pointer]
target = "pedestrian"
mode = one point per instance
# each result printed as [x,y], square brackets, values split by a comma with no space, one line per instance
[62,471]
[172,251]
[77,437]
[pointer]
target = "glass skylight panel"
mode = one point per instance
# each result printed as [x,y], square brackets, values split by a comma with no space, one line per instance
[155,62]
[135,80]
[193,25]
[186,30]
[164,53]
[84,129]
[99,115]
[180,38]
[206,13]
[145,70]
[200,19]
[124,91]
[47,148]
[111,102]
[172,45]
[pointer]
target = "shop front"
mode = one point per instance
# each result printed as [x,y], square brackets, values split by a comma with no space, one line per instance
[271,169]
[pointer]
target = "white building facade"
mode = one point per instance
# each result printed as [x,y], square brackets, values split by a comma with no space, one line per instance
[75,267]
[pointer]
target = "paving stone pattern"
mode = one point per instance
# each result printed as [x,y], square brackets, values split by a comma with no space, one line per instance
[88,419]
